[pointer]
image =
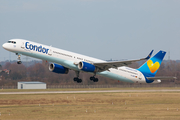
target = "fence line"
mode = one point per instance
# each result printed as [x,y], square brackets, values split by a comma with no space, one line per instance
[102,86]
[110,86]
[8,87]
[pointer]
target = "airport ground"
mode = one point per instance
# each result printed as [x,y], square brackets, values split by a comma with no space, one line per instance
[138,103]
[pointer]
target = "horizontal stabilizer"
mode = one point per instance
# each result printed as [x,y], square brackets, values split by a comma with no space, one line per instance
[161,78]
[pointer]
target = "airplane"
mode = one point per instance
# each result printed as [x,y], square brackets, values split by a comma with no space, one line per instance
[62,61]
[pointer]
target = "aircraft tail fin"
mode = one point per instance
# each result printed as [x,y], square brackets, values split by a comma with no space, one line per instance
[150,68]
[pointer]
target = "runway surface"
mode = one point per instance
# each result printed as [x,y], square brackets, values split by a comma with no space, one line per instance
[96,91]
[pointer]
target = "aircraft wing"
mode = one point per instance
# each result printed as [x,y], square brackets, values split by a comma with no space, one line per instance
[106,65]
[161,78]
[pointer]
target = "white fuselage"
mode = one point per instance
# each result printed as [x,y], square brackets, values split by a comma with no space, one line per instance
[70,60]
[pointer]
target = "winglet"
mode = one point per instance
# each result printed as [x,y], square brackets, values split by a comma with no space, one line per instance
[149,55]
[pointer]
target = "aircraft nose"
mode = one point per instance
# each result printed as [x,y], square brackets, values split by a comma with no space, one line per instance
[5,46]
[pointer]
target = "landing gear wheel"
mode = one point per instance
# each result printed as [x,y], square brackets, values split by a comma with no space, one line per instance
[76,79]
[19,62]
[92,78]
[79,81]
[95,80]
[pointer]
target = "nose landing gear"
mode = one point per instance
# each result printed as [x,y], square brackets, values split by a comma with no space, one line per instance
[19,59]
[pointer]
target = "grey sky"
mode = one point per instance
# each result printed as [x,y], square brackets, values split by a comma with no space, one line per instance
[117,29]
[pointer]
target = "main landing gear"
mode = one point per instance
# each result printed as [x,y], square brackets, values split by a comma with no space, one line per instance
[94,79]
[76,79]
[19,59]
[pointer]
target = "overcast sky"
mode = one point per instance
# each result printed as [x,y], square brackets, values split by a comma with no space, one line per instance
[104,29]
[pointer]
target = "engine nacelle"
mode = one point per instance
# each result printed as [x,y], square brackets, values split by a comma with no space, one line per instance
[86,66]
[58,68]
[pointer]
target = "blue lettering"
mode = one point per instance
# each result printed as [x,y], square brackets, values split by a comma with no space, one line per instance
[31,47]
[36,48]
[26,45]
[44,50]
[47,51]
[39,48]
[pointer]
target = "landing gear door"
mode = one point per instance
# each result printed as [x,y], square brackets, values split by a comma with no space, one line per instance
[23,45]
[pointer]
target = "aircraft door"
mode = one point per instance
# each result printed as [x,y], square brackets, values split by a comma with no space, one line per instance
[50,52]
[23,45]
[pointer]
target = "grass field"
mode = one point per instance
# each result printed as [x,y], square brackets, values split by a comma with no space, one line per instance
[91,106]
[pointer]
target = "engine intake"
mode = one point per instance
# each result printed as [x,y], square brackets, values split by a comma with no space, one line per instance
[86,66]
[58,68]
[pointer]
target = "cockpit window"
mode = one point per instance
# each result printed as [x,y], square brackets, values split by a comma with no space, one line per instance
[12,42]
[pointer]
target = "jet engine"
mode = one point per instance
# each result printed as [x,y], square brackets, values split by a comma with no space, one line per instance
[58,68]
[86,66]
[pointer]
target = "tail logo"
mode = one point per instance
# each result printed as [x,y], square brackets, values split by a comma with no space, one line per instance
[153,66]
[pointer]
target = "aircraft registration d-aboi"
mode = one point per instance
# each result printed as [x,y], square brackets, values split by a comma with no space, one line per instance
[62,61]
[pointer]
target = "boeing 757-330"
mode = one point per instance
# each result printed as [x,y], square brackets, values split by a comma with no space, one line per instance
[62,61]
